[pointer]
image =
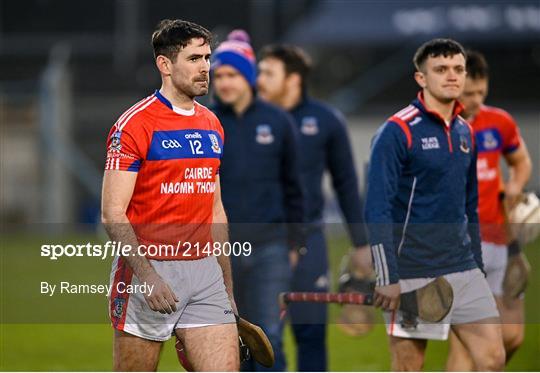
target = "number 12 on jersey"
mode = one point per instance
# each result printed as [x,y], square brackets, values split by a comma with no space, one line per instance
[196,147]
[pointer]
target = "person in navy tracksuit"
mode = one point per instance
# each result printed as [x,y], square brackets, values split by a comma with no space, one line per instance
[422,218]
[325,145]
[261,189]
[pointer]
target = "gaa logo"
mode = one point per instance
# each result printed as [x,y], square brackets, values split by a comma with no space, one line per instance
[170,144]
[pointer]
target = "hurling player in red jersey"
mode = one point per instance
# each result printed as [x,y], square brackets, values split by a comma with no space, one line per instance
[497,136]
[161,186]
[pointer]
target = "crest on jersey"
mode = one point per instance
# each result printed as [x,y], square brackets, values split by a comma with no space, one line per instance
[490,142]
[264,134]
[115,142]
[310,126]
[463,144]
[118,307]
[215,143]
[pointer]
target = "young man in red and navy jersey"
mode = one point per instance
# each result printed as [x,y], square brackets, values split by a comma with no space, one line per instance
[497,134]
[421,212]
[161,187]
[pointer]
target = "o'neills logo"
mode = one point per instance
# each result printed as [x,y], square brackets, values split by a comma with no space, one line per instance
[194,135]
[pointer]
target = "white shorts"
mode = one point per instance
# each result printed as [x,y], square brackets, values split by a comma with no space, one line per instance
[495,258]
[198,284]
[473,301]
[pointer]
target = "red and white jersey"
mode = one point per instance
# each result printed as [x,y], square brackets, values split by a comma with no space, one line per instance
[496,134]
[176,154]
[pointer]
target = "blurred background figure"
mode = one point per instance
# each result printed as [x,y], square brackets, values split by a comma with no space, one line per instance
[261,188]
[324,146]
[497,136]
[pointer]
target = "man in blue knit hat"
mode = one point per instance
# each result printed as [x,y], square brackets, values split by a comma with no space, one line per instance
[261,188]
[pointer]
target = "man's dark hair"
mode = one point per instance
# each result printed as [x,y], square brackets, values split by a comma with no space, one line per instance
[171,36]
[436,48]
[294,59]
[477,67]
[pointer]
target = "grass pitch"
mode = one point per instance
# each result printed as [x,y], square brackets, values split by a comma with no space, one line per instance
[71,332]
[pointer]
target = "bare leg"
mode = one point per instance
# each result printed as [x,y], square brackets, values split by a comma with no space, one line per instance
[483,341]
[512,319]
[459,359]
[131,353]
[407,354]
[211,348]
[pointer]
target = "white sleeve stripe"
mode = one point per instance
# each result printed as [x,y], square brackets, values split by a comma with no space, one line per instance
[375,263]
[404,111]
[378,262]
[410,115]
[386,276]
[130,110]
[123,124]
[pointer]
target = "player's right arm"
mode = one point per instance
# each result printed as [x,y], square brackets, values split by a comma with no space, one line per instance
[520,165]
[389,152]
[117,190]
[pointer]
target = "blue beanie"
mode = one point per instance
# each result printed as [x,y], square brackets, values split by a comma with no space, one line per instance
[237,52]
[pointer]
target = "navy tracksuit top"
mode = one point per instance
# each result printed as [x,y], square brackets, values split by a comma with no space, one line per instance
[259,174]
[422,198]
[324,144]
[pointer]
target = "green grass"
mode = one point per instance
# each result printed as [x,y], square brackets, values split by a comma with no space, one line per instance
[72,332]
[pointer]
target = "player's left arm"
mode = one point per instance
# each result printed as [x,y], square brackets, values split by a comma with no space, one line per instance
[220,233]
[520,167]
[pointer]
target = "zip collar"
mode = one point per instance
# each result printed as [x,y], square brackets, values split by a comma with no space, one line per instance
[420,104]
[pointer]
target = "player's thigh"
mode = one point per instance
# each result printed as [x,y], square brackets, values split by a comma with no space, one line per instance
[131,353]
[407,353]
[483,341]
[459,359]
[211,348]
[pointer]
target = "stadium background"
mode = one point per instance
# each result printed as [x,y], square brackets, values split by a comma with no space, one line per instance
[68,69]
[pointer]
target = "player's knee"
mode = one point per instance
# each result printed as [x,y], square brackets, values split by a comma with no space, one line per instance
[494,359]
[513,338]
